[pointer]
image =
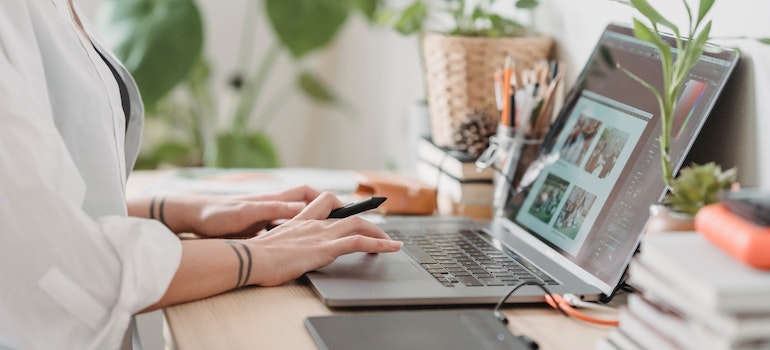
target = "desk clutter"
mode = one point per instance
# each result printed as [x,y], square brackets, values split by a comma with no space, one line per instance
[693,295]
[464,172]
[460,188]
[528,100]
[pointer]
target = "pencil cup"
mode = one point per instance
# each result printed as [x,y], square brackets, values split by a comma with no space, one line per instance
[514,154]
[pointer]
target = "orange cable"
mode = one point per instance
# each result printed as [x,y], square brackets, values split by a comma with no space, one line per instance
[556,301]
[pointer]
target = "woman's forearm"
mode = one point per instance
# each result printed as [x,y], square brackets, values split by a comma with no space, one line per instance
[208,267]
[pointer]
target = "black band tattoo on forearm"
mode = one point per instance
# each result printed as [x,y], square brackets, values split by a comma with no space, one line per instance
[152,207]
[160,211]
[243,276]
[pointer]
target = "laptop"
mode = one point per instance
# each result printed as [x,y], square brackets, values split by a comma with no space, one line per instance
[579,214]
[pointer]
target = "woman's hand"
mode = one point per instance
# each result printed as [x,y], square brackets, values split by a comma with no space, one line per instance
[308,242]
[223,216]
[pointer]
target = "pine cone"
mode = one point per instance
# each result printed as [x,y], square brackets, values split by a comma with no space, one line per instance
[473,133]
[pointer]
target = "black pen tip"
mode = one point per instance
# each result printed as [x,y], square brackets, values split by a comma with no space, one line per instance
[378,200]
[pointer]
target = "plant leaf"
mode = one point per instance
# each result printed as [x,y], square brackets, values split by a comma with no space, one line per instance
[526,4]
[643,32]
[412,18]
[245,150]
[652,14]
[306,25]
[705,7]
[367,7]
[313,87]
[157,41]
[765,41]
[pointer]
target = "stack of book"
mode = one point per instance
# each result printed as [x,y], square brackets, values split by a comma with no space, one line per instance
[460,188]
[692,296]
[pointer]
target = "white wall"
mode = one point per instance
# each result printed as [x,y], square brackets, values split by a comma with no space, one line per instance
[741,139]
[378,72]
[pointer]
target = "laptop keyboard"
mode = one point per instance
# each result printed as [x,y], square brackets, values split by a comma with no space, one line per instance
[464,258]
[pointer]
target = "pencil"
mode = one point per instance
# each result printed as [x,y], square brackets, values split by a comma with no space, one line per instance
[505,115]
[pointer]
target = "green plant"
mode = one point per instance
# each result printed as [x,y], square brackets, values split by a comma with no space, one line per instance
[696,185]
[161,40]
[467,18]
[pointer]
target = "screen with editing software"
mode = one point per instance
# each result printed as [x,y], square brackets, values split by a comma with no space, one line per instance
[599,169]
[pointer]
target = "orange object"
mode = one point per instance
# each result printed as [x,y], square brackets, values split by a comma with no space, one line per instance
[744,240]
[556,301]
[406,195]
[505,114]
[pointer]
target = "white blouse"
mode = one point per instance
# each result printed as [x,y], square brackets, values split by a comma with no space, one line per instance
[73,267]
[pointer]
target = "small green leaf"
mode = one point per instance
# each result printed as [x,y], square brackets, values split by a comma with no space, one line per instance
[527,4]
[765,41]
[652,14]
[157,41]
[245,150]
[367,7]
[313,87]
[412,18]
[478,13]
[697,186]
[644,33]
[606,55]
[306,25]
[705,7]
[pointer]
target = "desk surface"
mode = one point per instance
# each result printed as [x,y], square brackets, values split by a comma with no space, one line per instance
[273,317]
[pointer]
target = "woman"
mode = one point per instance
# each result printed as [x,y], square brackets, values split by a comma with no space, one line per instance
[78,261]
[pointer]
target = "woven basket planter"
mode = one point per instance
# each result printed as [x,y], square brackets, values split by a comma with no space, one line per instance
[459,73]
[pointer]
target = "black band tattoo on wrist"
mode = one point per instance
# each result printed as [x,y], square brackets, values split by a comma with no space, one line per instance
[160,211]
[243,276]
[152,207]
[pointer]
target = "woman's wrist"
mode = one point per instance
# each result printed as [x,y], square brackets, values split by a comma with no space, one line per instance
[245,252]
[172,211]
[157,208]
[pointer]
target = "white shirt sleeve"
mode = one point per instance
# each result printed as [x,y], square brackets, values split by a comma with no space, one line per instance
[67,279]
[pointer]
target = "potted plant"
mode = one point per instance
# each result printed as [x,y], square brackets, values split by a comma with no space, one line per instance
[160,42]
[463,43]
[696,185]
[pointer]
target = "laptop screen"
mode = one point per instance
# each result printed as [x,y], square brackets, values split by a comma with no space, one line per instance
[588,194]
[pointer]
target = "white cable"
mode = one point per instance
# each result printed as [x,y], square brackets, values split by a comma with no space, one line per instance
[575,301]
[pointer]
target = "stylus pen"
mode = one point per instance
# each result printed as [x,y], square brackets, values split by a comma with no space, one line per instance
[356,207]
[348,210]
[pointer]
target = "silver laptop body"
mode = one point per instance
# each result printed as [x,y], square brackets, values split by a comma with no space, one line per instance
[586,255]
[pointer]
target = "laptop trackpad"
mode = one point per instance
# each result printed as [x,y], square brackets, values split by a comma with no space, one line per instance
[390,266]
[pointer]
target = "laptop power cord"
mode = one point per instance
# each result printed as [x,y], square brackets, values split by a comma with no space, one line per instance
[565,304]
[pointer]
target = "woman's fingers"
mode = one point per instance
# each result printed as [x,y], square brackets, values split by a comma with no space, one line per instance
[298,246]
[273,210]
[356,225]
[365,244]
[320,207]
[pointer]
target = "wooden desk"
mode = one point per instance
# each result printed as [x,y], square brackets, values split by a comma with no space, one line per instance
[272,318]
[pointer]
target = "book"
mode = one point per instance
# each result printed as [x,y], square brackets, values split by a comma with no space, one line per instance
[617,340]
[644,335]
[683,333]
[457,164]
[446,206]
[733,327]
[466,191]
[706,275]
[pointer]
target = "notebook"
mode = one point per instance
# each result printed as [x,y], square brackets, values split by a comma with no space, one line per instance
[579,215]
